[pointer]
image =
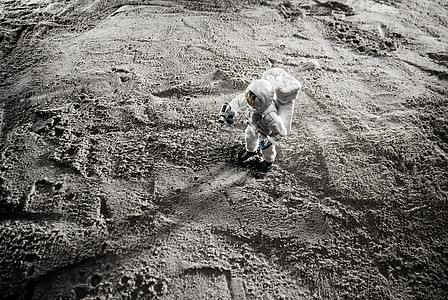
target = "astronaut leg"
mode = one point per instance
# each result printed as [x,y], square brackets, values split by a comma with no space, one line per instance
[269,154]
[251,145]
[251,139]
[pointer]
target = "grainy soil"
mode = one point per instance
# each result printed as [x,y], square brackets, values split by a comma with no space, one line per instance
[116,181]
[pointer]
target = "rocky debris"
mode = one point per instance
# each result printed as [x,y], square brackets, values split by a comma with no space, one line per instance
[441,57]
[371,43]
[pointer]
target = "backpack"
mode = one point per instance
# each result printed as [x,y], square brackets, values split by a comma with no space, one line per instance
[286,88]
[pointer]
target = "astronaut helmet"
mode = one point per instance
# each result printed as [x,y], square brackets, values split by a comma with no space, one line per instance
[259,94]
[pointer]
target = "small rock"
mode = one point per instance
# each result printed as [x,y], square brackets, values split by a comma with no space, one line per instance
[310,65]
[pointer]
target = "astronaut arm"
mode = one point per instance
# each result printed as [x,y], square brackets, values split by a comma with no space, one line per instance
[277,131]
[277,128]
[238,103]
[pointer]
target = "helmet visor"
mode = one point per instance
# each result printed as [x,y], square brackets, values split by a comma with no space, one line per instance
[250,98]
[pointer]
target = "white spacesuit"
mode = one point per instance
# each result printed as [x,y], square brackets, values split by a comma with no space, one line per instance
[286,88]
[265,128]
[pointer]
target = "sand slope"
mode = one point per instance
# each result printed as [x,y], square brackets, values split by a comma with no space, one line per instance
[117,182]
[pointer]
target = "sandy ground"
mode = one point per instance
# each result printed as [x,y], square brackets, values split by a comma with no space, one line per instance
[118,183]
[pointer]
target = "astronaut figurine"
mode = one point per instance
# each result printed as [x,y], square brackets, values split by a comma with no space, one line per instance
[265,128]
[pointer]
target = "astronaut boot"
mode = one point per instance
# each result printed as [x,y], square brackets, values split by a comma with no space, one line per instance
[245,155]
[265,166]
